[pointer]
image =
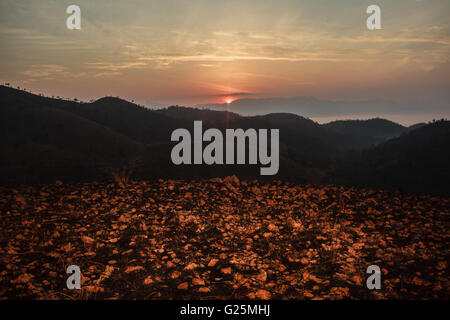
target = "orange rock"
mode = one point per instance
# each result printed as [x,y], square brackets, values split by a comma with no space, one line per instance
[183,286]
[357,280]
[226,270]
[263,294]
[304,260]
[87,240]
[262,276]
[93,289]
[198,282]
[213,262]
[417,281]
[133,268]
[191,266]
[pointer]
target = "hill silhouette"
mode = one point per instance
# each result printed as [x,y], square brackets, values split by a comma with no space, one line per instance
[417,161]
[42,140]
[138,123]
[47,139]
[312,107]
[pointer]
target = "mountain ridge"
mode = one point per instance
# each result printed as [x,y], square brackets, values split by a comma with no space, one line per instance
[48,139]
[312,107]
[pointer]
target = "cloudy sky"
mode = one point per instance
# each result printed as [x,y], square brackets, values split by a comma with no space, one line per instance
[206,51]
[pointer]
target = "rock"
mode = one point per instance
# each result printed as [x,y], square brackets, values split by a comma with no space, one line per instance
[93,289]
[262,276]
[133,268]
[191,266]
[263,294]
[183,286]
[226,270]
[125,218]
[21,200]
[357,279]
[213,262]
[233,180]
[198,282]
[87,240]
[23,278]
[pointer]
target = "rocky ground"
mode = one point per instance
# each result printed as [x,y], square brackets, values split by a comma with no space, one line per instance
[221,239]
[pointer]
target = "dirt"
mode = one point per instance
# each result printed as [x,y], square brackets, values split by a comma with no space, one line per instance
[221,239]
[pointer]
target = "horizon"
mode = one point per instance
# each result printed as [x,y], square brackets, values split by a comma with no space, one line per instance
[193,53]
[398,119]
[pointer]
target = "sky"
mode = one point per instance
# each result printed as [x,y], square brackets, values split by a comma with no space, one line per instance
[190,52]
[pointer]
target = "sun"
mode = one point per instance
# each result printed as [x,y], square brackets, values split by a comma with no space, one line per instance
[229,101]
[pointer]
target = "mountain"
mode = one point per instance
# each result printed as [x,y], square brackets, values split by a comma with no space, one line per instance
[40,139]
[312,107]
[251,107]
[46,139]
[304,144]
[216,118]
[416,126]
[416,161]
[377,128]
[138,123]
[367,132]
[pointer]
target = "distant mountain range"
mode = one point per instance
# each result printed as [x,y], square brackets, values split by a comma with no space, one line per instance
[312,107]
[46,139]
[418,160]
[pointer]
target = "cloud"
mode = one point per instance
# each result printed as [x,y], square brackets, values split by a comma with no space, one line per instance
[169,59]
[49,72]
[111,67]
[233,94]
